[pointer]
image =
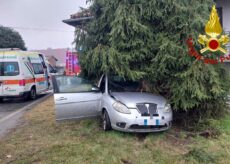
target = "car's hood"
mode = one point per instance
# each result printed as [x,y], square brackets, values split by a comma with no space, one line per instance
[130,99]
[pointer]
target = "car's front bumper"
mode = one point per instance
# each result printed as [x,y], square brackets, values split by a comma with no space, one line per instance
[134,122]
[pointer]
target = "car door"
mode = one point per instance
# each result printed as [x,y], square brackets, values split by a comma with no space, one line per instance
[75,98]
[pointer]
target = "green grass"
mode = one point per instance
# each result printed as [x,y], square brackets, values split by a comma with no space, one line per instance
[225,124]
[41,140]
[212,150]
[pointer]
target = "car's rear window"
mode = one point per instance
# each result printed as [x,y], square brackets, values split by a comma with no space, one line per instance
[9,69]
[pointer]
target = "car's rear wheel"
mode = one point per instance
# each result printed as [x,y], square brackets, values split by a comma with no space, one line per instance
[1,99]
[106,121]
[33,94]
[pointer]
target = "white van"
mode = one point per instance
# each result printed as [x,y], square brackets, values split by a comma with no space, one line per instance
[22,74]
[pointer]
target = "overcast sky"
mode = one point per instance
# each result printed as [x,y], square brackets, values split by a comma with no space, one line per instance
[40,21]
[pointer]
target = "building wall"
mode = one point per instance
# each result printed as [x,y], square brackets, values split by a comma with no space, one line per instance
[225,4]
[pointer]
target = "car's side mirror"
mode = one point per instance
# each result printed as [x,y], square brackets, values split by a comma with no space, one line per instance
[95,89]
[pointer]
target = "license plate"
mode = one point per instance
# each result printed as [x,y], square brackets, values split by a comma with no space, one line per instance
[151,122]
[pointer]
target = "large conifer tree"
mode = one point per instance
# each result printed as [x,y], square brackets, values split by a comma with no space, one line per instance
[147,39]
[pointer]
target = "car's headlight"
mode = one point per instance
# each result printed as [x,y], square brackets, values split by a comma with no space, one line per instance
[167,108]
[121,108]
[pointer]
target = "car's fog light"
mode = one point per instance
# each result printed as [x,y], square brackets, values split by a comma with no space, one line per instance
[121,124]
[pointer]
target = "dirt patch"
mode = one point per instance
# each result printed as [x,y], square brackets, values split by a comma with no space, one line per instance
[141,136]
[125,161]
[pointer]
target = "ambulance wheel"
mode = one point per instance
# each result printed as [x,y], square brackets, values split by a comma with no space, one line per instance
[33,94]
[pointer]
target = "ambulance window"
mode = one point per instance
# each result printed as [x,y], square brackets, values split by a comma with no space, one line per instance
[38,69]
[10,69]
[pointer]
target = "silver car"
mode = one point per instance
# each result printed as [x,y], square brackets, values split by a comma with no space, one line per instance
[123,105]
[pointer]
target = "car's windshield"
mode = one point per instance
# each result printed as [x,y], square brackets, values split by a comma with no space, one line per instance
[118,84]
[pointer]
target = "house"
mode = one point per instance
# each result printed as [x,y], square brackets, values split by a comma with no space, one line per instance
[79,18]
[223,7]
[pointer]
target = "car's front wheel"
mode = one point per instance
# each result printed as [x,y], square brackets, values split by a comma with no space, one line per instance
[106,121]
[1,99]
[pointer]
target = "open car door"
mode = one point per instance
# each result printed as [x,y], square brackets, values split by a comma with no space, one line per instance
[75,98]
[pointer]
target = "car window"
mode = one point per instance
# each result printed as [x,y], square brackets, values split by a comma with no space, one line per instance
[72,84]
[9,69]
[38,68]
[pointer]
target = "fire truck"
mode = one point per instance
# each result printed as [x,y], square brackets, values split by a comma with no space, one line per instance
[72,64]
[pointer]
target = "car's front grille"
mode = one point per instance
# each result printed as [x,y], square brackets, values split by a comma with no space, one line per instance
[147,109]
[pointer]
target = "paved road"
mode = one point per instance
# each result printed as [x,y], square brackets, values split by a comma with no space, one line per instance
[12,105]
[12,109]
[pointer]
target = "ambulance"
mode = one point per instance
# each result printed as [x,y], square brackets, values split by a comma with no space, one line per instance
[22,74]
